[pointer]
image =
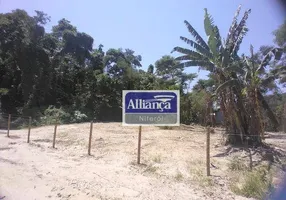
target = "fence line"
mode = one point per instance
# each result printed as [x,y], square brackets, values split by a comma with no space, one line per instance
[14,116]
[239,135]
[208,133]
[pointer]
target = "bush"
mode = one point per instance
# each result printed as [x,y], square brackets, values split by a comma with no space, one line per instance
[62,116]
[53,115]
[78,117]
[254,184]
[19,123]
[179,176]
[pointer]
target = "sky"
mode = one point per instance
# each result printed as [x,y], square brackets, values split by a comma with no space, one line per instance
[152,27]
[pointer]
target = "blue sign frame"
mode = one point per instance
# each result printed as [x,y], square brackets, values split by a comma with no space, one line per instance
[151,107]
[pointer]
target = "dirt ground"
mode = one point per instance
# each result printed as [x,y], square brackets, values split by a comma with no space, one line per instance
[173,164]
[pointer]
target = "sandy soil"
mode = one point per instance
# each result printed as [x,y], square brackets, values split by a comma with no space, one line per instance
[173,164]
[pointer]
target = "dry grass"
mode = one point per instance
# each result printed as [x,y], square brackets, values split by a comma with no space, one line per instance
[151,169]
[202,179]
[253,184]
[166,127]
[237,164]
[157,159]
[179,176]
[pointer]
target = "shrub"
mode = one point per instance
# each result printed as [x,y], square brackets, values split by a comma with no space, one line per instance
[201,178]
[78,117]
[254,184]
[53,114]
[237,165]
[179,176]
[19,123]
[157,159]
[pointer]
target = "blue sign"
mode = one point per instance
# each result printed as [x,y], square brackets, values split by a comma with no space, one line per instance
[151,107]
[147,102]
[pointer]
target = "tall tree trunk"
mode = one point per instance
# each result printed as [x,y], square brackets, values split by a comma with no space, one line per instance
[258,113]
[268,110]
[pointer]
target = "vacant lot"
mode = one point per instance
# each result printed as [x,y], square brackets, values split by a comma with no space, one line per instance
[173,164]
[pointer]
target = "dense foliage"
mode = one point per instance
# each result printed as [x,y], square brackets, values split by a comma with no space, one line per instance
[64,74]
[61,73]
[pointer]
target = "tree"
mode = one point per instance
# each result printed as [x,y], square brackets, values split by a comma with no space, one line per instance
[206,84]
[280,35]
[166,68]
[169,75]
[150,69]
[222,61]
[24,58]
[280,40]
[252,78]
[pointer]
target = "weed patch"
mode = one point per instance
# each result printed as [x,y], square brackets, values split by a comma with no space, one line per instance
[166,127]
[237,165]
[254,184]
[151,169]
[179,176]
[201,178]
[157,159]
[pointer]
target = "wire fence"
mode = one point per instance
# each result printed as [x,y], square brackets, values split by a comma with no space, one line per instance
[9,122]
[14,121]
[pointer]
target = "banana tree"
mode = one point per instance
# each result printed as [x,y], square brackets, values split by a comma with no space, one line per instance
[256,78]
[252,77]
[217,57]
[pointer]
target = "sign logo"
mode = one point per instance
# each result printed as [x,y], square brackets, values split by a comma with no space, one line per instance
[151,107]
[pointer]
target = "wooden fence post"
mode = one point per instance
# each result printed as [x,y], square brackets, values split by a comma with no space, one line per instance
[29,129]
[55,133]
[208,152]
[249,153]
[139,145]
[90,136]
[8,128]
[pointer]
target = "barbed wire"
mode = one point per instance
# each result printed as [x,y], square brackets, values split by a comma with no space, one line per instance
[14,116]
[239,135]
[19,118]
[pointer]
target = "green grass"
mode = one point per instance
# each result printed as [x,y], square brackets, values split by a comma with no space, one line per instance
[253,184]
